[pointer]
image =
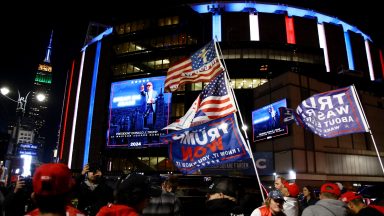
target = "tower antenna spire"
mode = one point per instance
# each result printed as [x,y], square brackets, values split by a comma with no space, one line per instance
[47,58]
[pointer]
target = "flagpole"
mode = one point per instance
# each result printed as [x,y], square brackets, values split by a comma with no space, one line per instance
[369,128]
[218,50]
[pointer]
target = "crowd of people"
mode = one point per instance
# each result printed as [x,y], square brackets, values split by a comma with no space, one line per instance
[55,191]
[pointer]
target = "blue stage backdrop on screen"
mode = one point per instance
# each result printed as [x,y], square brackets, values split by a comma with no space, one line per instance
[138,110]
[265,121]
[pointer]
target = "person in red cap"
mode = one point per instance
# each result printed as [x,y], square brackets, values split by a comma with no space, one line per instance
[290,192]
[357,206]
[52,187]
[329,204]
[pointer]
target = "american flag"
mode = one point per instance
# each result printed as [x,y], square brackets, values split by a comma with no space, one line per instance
[215,101]
[202,66]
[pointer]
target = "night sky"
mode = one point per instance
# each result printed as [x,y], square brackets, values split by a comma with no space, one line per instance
[25,35]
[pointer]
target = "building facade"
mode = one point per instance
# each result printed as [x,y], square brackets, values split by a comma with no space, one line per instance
[270,51]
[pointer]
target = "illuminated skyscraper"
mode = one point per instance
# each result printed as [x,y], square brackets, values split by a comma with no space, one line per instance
[42,84]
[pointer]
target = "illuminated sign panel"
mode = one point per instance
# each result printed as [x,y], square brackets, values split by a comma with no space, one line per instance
[138,110]
[27,149]
[265,121]
[44,67]
[263,162]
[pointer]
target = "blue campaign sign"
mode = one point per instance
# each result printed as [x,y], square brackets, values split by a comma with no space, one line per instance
[216,142]
[333,113]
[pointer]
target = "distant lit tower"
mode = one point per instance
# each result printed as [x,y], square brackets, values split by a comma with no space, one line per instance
[42,84]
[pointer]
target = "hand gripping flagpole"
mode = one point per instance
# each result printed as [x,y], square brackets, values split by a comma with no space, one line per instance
[248,147]
[369,128]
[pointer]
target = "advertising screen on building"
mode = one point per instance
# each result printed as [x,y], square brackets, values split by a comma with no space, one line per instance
[138,110]
[265,121]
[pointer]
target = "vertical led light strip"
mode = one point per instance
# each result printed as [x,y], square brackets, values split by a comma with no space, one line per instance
[290,30]
[91,104]
[382,62]
[64,126]
[254,27]
[323,44]
[216,27]
[75,109]
[369,59]
[348,47]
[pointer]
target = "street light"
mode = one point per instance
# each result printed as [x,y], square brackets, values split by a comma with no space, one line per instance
[20,111]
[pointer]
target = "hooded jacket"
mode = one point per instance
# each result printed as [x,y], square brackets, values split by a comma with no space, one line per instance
[326,207]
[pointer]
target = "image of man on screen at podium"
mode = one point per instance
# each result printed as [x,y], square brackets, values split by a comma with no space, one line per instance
[273,117]
[150,99]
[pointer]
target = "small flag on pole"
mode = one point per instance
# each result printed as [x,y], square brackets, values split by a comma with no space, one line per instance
[202,66]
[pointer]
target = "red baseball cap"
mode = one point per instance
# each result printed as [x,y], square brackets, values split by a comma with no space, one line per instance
[293,189]
[349,196]
[52,179]
[330,188]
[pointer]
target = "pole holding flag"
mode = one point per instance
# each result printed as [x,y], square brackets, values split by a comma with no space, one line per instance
[216,101]
[369,128]
[249,149]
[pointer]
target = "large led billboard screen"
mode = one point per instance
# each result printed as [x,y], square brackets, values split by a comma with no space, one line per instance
[265,121]
[138,110]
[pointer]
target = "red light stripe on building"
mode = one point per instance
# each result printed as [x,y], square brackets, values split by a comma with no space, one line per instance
[66,111]
[290,30]
[382,62]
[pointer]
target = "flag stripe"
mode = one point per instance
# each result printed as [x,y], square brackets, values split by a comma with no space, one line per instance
[215,101]
[218,108]
[182,78]
[173,72]
[202,66]
[181,66]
